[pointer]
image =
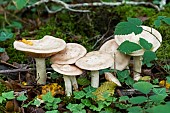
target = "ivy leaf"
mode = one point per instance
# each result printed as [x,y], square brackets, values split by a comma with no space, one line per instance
[137,100]
[79,94]
[124,28]
[48,97]
[148,56]
[144,87]
[20,3]
[22,97]
[145,44]
[128,47]
[8,95]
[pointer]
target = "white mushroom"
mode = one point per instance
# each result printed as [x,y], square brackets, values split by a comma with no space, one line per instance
[149,34]
[41,49]
[69,72]
[94,61]
[121,60]
[70,54]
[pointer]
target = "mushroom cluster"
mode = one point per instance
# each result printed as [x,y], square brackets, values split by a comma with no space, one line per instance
[70,59]
[63,63]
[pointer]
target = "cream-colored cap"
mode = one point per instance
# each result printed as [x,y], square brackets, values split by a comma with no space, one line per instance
[70,54]
[44,47]
[145,34]
[67,69]
[120,60]
[95,60]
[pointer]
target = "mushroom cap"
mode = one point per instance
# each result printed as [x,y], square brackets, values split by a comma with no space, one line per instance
[70,54]
[120,60]
[145,35]
[67,69]
[44,47]
[95,60]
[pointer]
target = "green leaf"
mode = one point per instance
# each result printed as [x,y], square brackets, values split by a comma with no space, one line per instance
[129,81]
[2,50]
[83,81]
[159,109]
[8,95]
[5,35]
[148,56]
[75,107]
[22,97]
[36,103]
[128,47]
[166,20]
[145,44]
[124,28]
[135,109]
[137,100]
[86,102]
[2,99]
[168,79]
[20,3]
[144,87]
[79,94]
[56,101]
[122,75]
[123,98]
[15,24]
[157,23]
[158,98]
[48,97]
[52,111]
[160,91]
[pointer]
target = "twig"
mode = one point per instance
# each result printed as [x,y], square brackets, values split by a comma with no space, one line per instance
[20,70]
[71,6]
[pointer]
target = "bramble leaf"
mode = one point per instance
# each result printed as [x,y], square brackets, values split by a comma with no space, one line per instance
[128,47]
[144,87]
[124,28]
[137,100]
[148,56]
[79,94]
[20,3]
[145,44]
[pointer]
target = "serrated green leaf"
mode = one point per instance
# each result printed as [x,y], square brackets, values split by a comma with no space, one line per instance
[57,100]
[2,99]
[128,47]
[123,98]
[20,3]
[48,97]
[124,28]
[75,107]
[79,94]
[145,44]
[135,109]
[166,20]
[148,56]
[22,97]
[159,109]
[157,98]
[135,21]
[157,23]
[5,35]
[8,95]
[137,100]
[86,102]
[160,91]
[89,89]
[144,87]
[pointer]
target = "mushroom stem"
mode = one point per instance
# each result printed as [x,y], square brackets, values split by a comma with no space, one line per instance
[95,79]
[74,82]
[109,76]
[41,70]
[137,67]
[68,87]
